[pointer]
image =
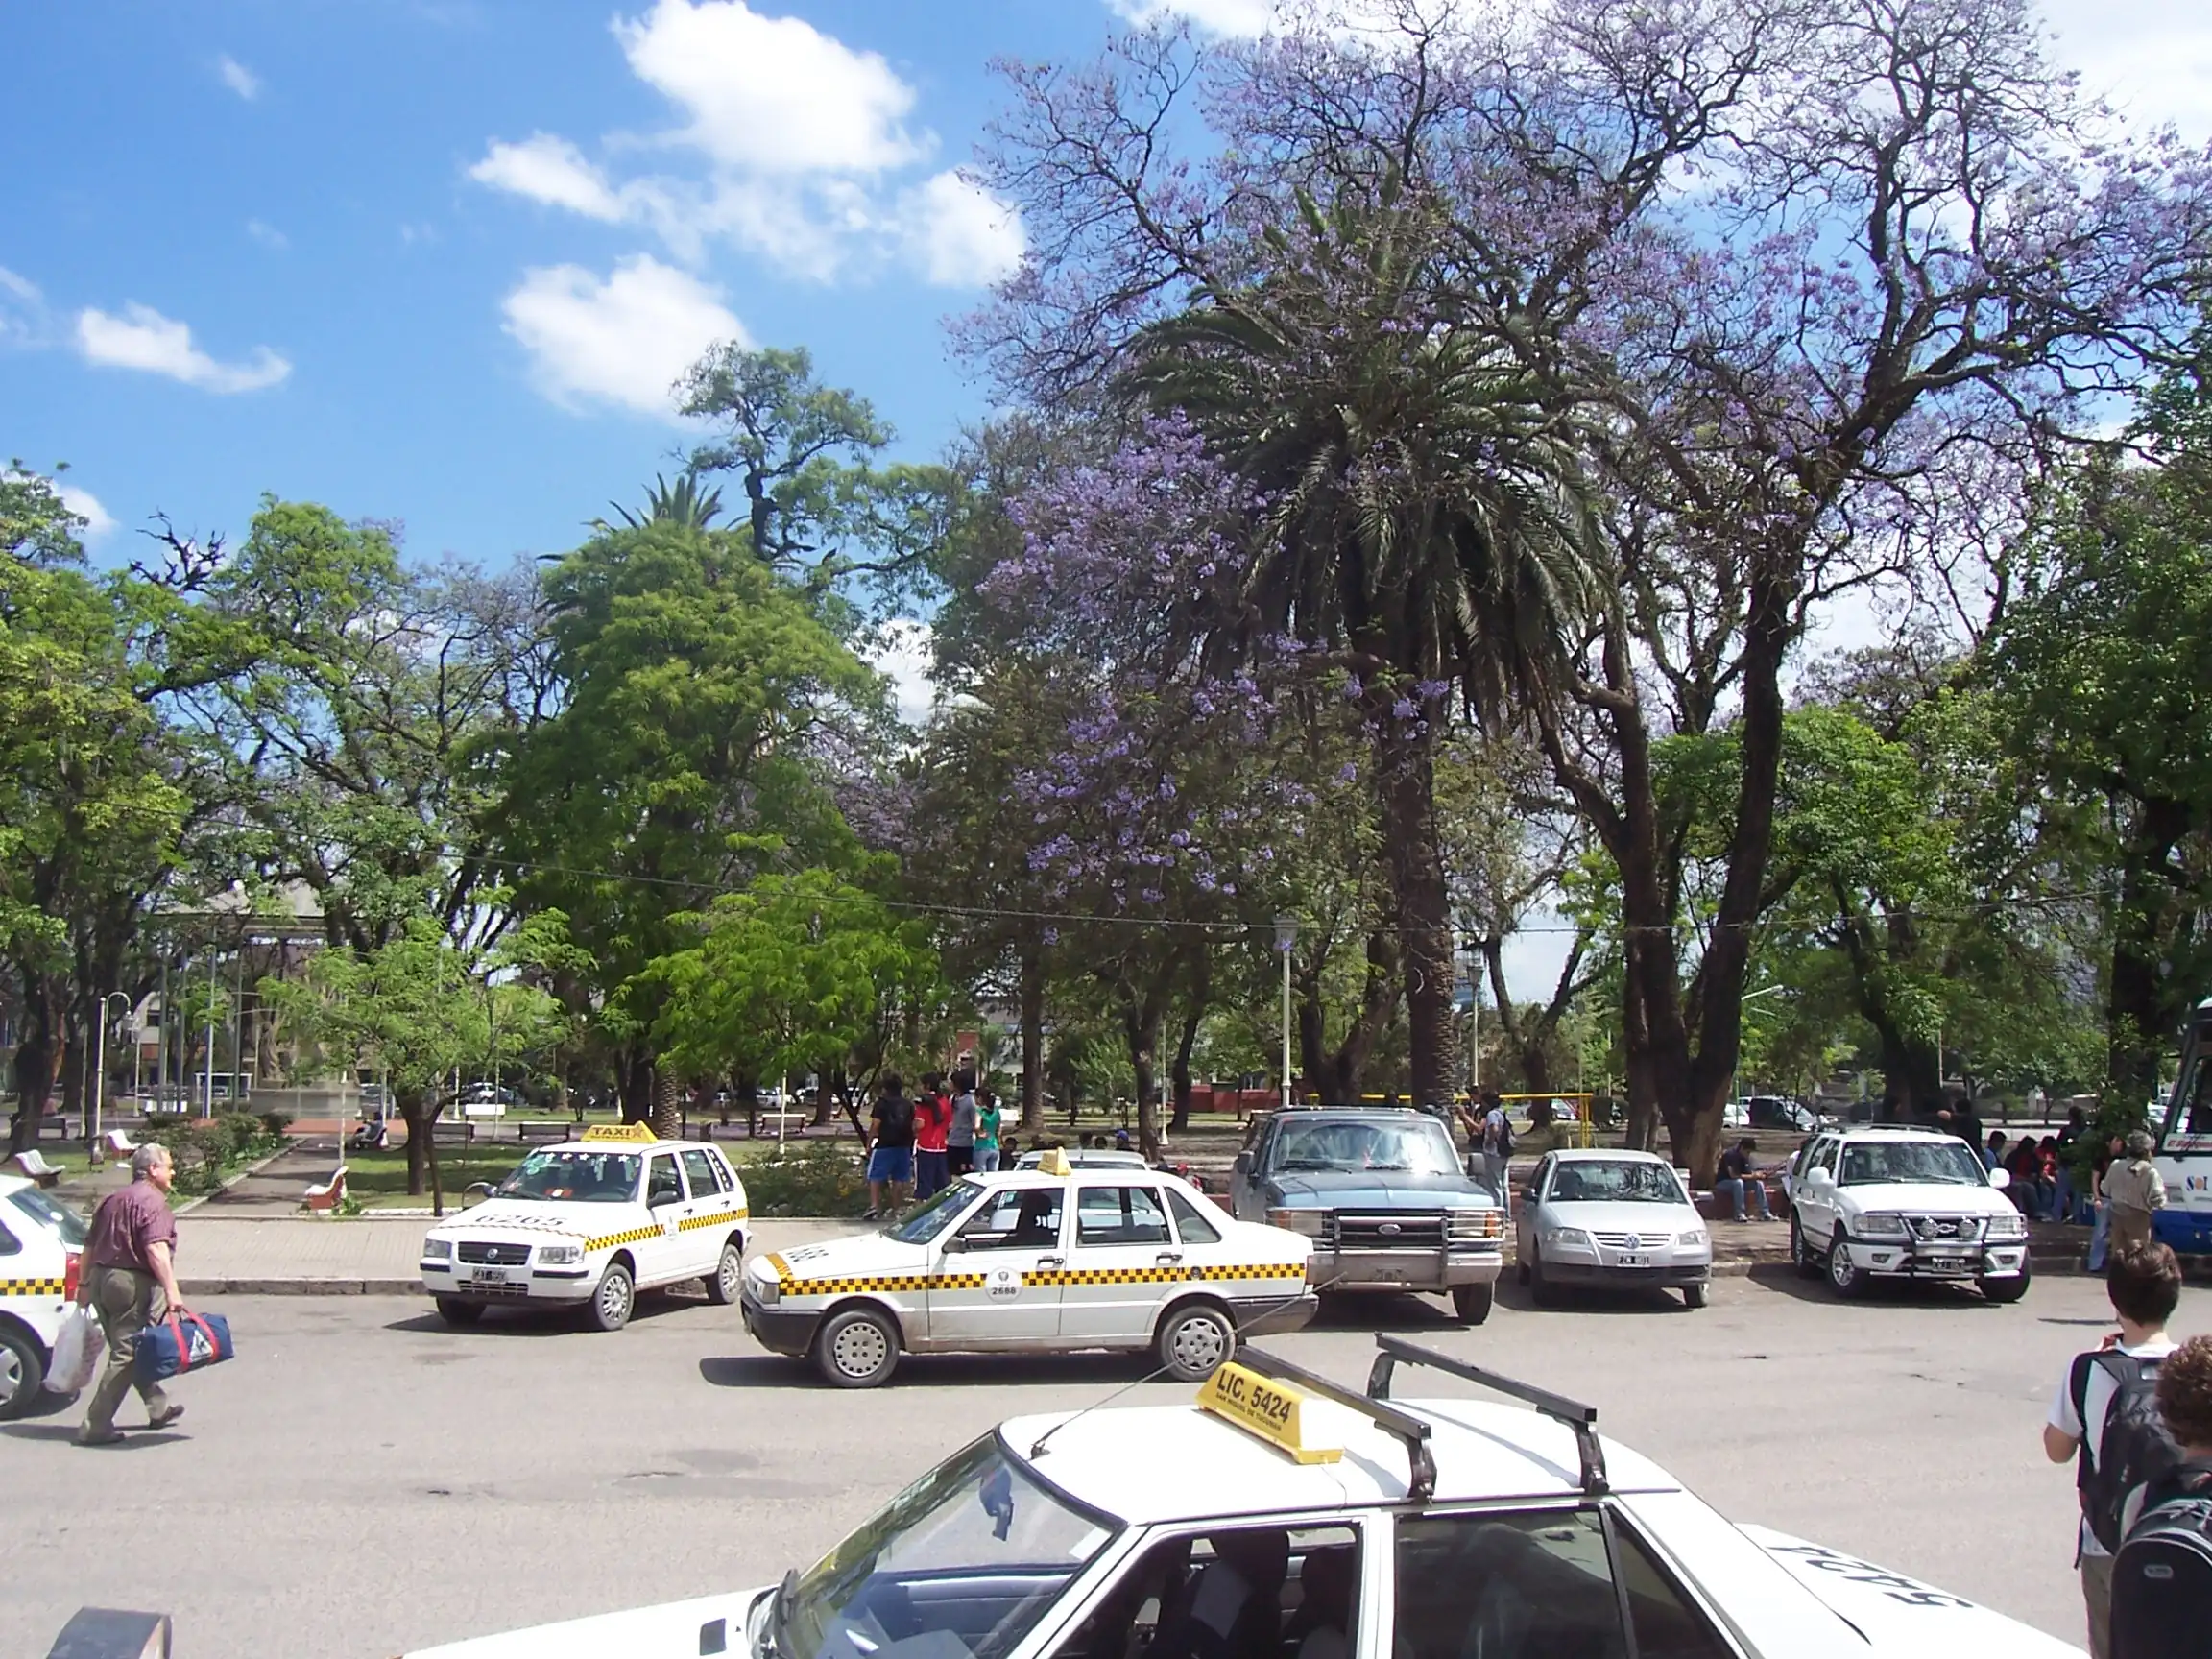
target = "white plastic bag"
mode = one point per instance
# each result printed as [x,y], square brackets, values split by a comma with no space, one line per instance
[76,1351]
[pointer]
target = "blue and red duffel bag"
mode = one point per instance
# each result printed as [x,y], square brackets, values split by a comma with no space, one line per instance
[184,1342]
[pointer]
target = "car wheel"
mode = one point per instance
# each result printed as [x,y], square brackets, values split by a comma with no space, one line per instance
[1472,1302]
[1695,1295]
[1801,1253]
[2007,1289]
[459,1313]
[857,1348]
[728,1279]
[614,1298]
[1541,1291]
[1196,1341]
[22,1371]
[1845,1277]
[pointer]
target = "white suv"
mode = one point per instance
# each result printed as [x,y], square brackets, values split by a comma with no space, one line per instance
[1884,1202]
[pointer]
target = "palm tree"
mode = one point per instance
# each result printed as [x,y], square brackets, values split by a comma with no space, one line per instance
[1426,513]
[683,502]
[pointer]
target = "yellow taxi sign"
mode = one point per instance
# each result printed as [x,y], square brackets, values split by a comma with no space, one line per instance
[1054,1163]
[1263,1406]
[630,1134]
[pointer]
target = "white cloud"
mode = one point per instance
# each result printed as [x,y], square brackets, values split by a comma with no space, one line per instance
[2153,58]
[772,94]
[1238,17]
[22,310]
[623,340]
[902,656]
[142,338]
[238,77]
[966,237]
[97,521]
[550,170]
[267,234]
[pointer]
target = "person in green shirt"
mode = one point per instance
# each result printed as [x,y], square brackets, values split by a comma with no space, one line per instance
[986,1131]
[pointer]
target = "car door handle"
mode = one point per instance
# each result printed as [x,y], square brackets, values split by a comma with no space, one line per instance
[1051,1260]
[1168,1257]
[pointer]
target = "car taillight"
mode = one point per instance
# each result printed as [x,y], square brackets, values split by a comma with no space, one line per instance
[69,1271]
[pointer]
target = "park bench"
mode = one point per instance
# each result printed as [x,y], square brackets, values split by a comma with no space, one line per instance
[114,1143]
[445,1133]
[330,1195]
[34,1165]
[55,1127]
[537,1134]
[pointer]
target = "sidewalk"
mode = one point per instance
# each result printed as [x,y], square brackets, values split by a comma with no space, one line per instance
[364,1256]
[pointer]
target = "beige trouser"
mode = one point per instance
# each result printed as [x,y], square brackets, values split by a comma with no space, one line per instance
[126,1301]
[2097,1596]
[2131,1229]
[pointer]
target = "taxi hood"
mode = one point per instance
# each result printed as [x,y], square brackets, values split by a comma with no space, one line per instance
[674,1630]
[518,1216]
[1900,1615]
[853,1256]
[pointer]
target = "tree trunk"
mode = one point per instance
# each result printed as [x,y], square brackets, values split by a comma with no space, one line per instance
[35,1058]
[2136,1016]
[1378,1003]
[1312,1026]
[415,1112]
[825,1096]
[1032,994]
[667,1103]
[635,1081]
[1193,1015]
[1423,903]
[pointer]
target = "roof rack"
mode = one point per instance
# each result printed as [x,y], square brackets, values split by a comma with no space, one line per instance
[1580,1418]
[1411,1431]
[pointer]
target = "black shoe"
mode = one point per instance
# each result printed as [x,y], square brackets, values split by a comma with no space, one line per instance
[166,1418]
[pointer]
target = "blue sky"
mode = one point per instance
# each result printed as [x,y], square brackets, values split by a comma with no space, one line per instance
[436,260]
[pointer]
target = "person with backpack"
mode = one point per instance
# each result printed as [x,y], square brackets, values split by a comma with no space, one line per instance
[2162,1575]
[890,1148]
[2104,1418]
[1496,1144]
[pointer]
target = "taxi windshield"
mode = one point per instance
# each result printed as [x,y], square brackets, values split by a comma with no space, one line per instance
[961,1564]
[66,1223]
[574,1177]
[933,1215]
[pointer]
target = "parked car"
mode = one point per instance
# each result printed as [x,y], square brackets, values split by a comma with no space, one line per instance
[1890,1202]
[1592,1217]
[41,1252]
[1381,1194]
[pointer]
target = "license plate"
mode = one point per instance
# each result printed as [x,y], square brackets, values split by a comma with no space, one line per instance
[489,1275]
[1630,1259]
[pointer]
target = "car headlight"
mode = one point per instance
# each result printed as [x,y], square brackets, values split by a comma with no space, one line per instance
[1696,1238]
[2014,1226]
[1566,1238]
[1305,1221]
[438,1249]
[1468,1226]
[767,1292]
[560,1255]
[1880,1226]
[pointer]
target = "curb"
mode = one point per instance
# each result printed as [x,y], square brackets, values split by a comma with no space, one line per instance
[302,1287]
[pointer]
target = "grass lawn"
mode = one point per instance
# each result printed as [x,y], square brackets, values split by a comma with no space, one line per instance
[380,1179]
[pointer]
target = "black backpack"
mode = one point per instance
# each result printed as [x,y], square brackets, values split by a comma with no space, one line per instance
[2134,1452]
[2162,1575]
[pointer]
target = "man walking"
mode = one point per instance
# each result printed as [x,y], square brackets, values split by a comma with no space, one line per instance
[1496,1144]
[130,1282]
[2134,1189]
[2101,1406]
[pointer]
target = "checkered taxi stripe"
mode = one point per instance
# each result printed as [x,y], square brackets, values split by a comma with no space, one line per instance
[34,1288]
[788,1285]
[640,1234]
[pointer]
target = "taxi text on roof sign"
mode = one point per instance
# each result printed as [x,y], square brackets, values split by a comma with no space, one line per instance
[631,1132]
[1266,1408]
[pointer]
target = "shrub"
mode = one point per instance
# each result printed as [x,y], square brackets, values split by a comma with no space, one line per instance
[814,1178]
[275,1124]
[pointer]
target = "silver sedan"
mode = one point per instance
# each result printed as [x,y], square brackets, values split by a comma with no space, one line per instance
[1593,1217]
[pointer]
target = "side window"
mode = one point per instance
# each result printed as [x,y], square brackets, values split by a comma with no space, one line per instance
[1193,1227]
[1119,1216]
[663,1185]
[1281,1593]
[705,1180]
[2191,1114]
[1015,1218]
[1535,1583]
[1666,1622]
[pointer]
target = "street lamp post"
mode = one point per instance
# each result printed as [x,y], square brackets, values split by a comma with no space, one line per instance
[100,1064]
[1285,936]
[1753,996]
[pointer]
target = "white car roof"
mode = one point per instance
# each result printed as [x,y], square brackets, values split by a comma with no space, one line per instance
[1482,1450]
[1893,1132]
[1609,1154]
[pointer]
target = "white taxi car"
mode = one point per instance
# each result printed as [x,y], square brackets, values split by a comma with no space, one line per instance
[589,1223]
[41,1246]
[1042,1260]
[1879,1202]
[1283,1515]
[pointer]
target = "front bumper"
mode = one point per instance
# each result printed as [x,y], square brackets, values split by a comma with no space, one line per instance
[1666,1274]
[1271,1316]
[785,1331]
[1895,1259]
[521,1285]
[1406,1270]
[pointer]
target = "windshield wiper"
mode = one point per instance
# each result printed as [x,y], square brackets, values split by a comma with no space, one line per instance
[780,1612]
[1321,1163]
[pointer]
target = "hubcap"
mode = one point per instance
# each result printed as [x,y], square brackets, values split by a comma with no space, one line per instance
[10,1375]
[1198,1343]
[614,1296]
[733,1271]
[1839,1266]
[859,1349]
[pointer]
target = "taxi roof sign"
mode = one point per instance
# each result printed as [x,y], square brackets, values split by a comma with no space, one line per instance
[1054,1163]
[1260,1406]
[629,1133]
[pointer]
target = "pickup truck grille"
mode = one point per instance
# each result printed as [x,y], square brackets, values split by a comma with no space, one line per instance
[1933,1228]
[486,1255]
[1402,1230]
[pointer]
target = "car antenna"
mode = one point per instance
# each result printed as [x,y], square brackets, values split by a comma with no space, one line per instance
[1037,1451]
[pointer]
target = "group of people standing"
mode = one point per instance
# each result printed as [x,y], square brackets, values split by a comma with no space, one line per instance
[2123,1189]
[918,1145]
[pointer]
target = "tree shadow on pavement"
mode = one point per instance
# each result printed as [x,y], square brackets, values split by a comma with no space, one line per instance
[1783,1276]
[937,1370]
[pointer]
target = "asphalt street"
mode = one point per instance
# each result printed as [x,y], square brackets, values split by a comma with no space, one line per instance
[362,1480]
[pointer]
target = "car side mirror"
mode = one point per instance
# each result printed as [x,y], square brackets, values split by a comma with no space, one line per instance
[955,1244]
[1818,1181]
[1243,1163]
[475,1192]
[2000,1178]
[1527,1194]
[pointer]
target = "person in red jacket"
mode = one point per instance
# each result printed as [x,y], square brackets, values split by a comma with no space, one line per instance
[932,1125]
